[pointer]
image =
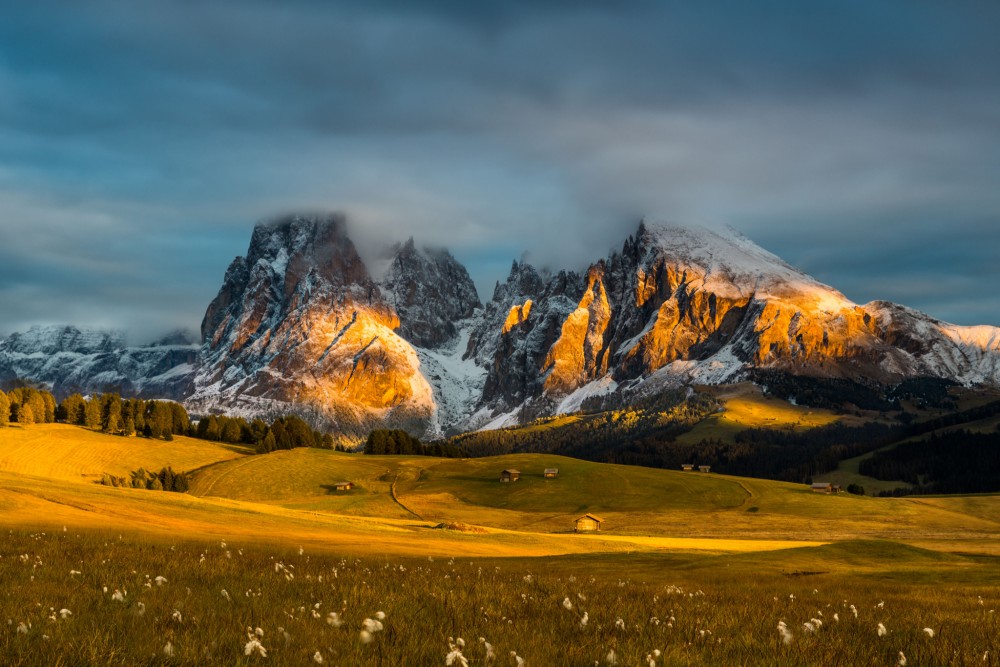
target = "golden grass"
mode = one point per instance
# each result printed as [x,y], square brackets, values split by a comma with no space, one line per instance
[63,451]
[744,406]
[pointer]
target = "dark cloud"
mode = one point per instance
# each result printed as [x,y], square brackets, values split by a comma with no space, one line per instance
[139,142]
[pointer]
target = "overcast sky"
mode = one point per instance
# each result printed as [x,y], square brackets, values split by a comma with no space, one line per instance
[140,142]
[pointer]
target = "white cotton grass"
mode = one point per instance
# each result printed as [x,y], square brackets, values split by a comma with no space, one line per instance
[118,596]
[455,657]
[584,619]
[168,650]
[929,632]
[881,631]
[160,580]
[611,659]
[65,613]
[902,660]
[333,618]
[318,658]
[785,634]
[567,605]
[488,647]
[253,646]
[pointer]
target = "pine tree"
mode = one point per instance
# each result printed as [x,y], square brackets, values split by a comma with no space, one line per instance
[129,427]
[4,409]
[71,409]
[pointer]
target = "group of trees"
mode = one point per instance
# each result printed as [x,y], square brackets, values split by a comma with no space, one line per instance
[957,461]
[165,480]
[383,441]
[27,405]
[286,432]
[133,416]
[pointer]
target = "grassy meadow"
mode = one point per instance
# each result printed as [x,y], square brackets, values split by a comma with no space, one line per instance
[689,568]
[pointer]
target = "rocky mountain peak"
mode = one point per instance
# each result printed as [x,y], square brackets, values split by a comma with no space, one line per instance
[431,292]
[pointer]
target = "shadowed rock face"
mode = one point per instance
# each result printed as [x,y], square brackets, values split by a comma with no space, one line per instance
[431,292]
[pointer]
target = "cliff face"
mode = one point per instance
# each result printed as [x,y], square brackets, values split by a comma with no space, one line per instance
[300,326]
[679,305]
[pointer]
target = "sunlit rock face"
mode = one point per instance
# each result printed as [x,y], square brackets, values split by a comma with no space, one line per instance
[300,326]
[703,306]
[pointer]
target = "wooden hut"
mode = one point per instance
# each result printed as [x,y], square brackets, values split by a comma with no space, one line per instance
[825,487]
[510,475]
[343,486]
[687,467]
[550,473]
[588,523]
[705,468]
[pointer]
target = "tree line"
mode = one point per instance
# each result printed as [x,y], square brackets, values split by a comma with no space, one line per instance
[396,441]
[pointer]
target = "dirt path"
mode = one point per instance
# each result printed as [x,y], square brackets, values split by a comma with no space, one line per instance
[395,497]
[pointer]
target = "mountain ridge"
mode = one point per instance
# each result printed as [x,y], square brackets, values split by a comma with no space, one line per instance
[300,324]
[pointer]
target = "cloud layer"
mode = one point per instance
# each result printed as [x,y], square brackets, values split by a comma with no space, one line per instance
[139,142]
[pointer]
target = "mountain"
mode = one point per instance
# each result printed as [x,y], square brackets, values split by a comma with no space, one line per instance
[73,359]
[301,324]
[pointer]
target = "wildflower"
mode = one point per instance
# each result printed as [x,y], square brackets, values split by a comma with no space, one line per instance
[928,632]
[881,604]
[380,615]
[490,655]
[518,659]
[584,619]
[333,618]
[854,610]
[225,594]
[454,656]
[168,650]
[836,617]
[371,625]
[259,633]
[809,627]
[117,596]
[611,658]
[22,629]
[160,580]
[619,623]
[301,551]
[785,633]
[882,632]
[567,605]
[66,613]
[902,660]
[365,637]
[318,658]
[254,646]
[140,608]
[74,572]
[177,616]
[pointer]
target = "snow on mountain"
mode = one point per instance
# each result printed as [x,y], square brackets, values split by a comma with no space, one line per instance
[301,325]
[71,359]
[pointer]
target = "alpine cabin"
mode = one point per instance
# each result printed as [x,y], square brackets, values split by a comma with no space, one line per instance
[343,486]
[510,475]
[588,523]
[551,473]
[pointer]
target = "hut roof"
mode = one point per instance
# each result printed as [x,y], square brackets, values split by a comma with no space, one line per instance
[552,470]
[592,516]
[342,482]
[821,485]
[513,470]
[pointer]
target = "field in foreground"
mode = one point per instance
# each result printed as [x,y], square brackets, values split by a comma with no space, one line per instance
[93,598]
[700,568]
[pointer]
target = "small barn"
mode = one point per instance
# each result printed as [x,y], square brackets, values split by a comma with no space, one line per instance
[343,486]
[551,473]
[510,475]
[705,468]
[687,467]
[588,523]
[825,487]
